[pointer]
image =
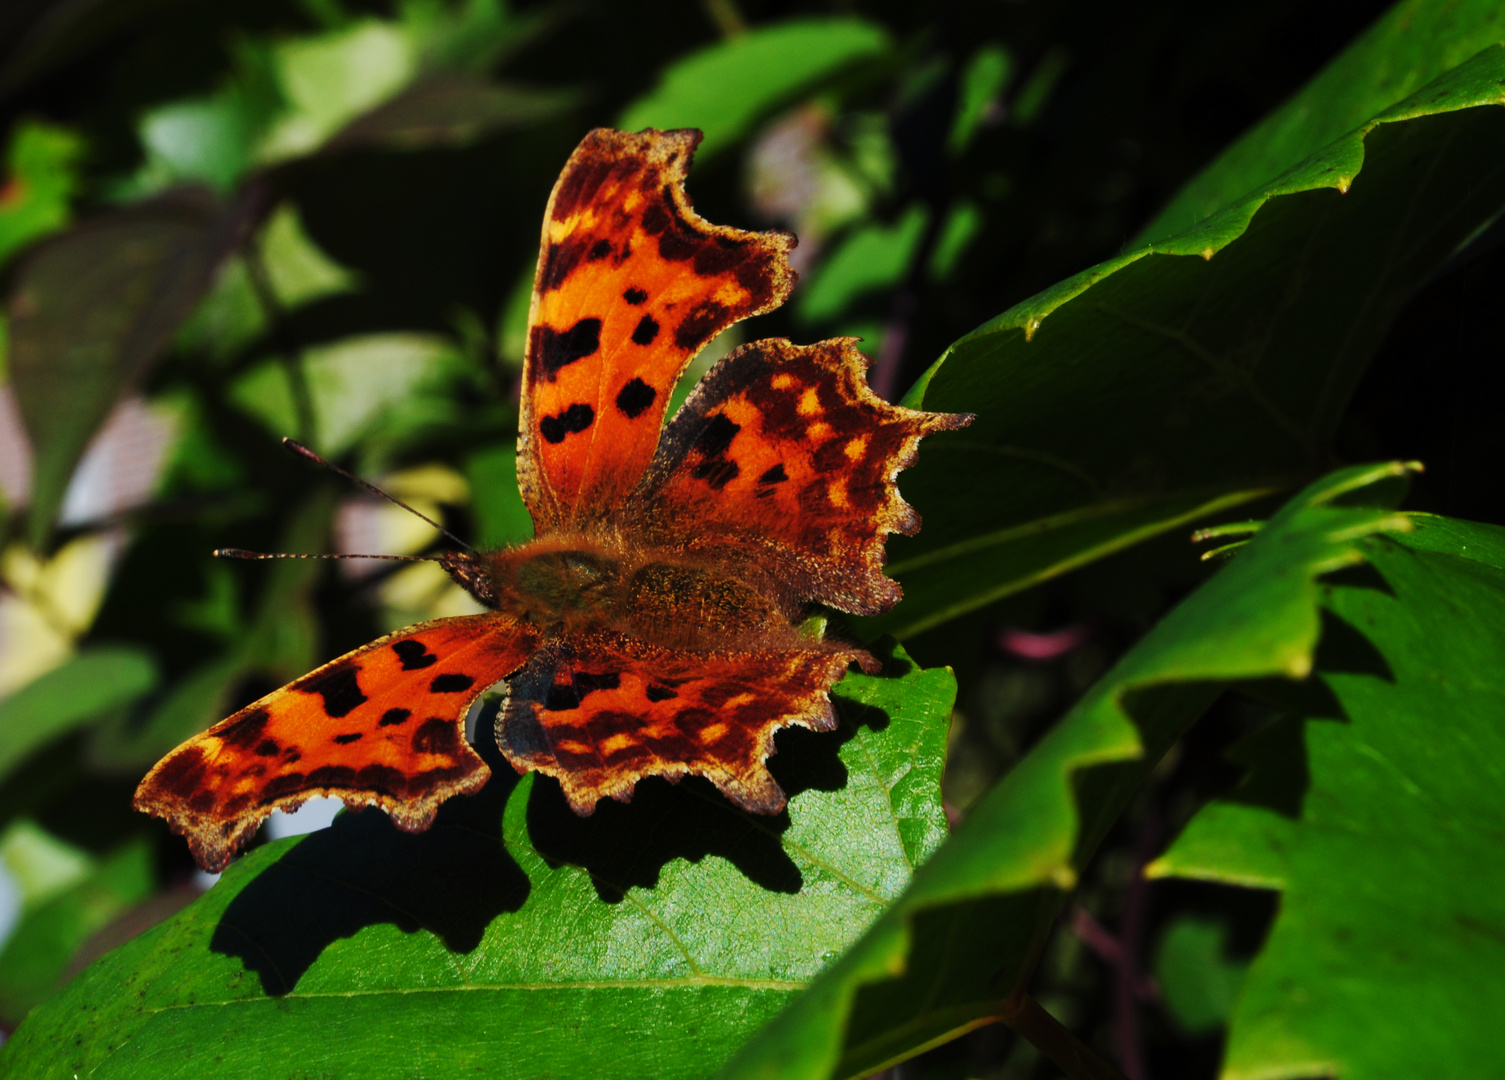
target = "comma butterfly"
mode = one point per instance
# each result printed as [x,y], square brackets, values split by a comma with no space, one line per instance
[652,626]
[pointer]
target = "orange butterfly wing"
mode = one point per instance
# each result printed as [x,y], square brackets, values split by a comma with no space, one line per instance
[631,284]
[601,715]
[383,725]
[782,459]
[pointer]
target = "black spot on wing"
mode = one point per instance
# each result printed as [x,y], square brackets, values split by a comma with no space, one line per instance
[717,472]
[451,684]
[634,296]
[588,683]
[775,475]
[339,687]
[717,436]
[246,731]
[572,421]
[646,330]
[394,716]
[599,250]
[414,654]
[268,748]
[660,693]
[635,397]
[436,736]
[350,737]
[554,350]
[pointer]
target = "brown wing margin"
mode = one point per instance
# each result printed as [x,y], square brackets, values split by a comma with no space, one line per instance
[380,726]
[599,716]
[631,284]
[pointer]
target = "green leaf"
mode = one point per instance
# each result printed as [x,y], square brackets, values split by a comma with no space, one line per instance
[516,936]
[978,90]
[870,258]
[36,957]
[376,383]
[1412,44]
[497,503]
[726,88]
[964,937]
[1198,980]
[41,174]
[89,685]
[328,80]
[1188,377]
[90,310]
[1375,809]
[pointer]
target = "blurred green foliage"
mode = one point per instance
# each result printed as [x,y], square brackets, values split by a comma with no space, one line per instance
[1181,261]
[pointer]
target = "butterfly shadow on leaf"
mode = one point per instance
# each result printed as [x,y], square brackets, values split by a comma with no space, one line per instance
[627,845]
[363,871]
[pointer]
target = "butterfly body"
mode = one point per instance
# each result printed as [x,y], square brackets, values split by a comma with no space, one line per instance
[653,626]
[572,585]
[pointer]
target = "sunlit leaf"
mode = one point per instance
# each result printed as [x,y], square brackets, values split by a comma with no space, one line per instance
[41,174]
[392,381]
[726,88]
[1374,808]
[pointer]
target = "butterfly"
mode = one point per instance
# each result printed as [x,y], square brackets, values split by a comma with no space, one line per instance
[655,625]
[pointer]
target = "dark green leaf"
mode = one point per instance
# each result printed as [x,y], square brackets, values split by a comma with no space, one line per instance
[450,109]
[1412,44]
[964,936]
[1181,379]
[515,936]
[1376,812]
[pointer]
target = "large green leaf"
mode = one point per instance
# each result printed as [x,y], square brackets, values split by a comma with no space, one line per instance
[1196,373]
[1412,44]
[90,310]
[962,940]
[515,937]
[1375,809]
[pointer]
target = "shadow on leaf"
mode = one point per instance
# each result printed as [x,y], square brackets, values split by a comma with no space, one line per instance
[362,871]
[627,845]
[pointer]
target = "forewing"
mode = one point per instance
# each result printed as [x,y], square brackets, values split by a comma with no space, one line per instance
[631,284]
[600,717]
[783,460]
[383,725]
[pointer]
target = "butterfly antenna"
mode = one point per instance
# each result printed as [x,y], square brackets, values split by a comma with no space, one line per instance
[303,451]
[242,553]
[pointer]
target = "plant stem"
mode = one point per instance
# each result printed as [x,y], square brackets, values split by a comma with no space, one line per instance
[1049,1036]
